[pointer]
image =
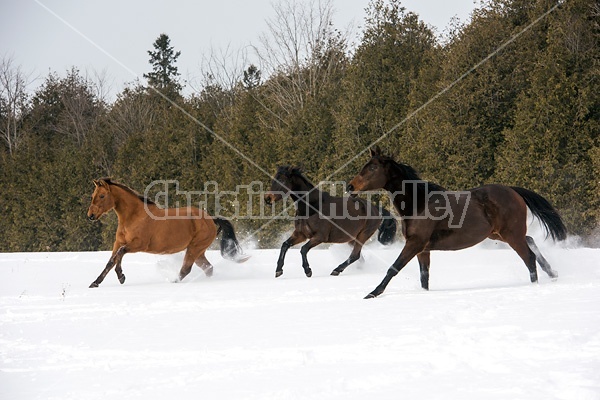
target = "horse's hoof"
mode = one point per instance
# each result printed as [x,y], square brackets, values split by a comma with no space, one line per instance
[370,296]
[308,273]
[278,274]
[242,258]
[122,279]
[93,285]
[335,273]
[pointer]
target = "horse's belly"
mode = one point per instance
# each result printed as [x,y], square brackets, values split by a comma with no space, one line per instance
[175,235]
[160,248]
[456,238]
[455,242]
[335,230]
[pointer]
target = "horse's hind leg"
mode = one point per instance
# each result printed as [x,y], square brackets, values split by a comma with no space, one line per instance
[528,256]
[355,255]
[540,258]
[205,265]
[424,258]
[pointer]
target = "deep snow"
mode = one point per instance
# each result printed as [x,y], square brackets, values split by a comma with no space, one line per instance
[482,331]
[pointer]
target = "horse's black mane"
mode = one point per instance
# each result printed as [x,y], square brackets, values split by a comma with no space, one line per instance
[290,171]
[408,173]
[128,189]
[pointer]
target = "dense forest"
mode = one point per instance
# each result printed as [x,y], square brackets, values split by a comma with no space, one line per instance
[512,96]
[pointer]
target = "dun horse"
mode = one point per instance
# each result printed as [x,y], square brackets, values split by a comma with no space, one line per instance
[323,218]
[145,227]
[435,219]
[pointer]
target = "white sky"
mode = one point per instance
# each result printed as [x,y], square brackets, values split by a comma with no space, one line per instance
[36,38]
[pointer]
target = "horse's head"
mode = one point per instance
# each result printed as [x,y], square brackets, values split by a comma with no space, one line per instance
[102,200]
[374,175]
[282,183]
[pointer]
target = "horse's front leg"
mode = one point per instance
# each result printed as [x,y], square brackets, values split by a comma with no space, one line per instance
[296,238]
[411,249]
[114,259]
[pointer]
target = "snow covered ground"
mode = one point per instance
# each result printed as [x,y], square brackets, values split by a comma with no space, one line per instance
[481,332]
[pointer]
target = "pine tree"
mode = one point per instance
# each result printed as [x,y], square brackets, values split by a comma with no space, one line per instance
[164,75]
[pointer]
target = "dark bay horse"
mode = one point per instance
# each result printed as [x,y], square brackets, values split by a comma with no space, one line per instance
[145,227]
[323,218]
[436,219]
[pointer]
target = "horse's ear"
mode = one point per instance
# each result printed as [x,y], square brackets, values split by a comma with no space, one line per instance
[375,151]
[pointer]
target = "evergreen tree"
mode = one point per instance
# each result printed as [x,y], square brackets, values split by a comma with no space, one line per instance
[164,75]
[550,148]
[457,136]
[528,116]
[378,80]
[47,183]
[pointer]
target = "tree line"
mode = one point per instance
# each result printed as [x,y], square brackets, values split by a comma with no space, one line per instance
[528,115]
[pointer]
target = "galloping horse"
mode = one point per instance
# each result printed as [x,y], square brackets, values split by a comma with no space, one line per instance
[145,227]
[323,218]
[436,219]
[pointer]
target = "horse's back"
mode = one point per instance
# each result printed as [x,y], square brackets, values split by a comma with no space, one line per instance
[341,219]
[500,201]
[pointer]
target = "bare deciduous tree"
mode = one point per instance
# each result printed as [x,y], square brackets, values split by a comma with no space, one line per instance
[300,50]
[82,108]
[13,102]
[223,68]
[131,113]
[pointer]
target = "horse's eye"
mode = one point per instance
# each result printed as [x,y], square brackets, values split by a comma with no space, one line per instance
[101,196]
[373,167]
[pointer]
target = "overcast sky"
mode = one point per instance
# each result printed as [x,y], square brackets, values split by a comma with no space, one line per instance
[114,35]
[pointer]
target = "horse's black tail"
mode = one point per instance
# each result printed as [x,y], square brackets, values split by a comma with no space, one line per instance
[543,210]
[387,229]
[230,246]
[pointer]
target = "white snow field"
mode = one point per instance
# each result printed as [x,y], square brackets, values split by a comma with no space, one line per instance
[483,331]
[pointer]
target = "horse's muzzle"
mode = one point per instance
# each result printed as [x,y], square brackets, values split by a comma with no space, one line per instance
[271,198]
[91,217]
[350,190]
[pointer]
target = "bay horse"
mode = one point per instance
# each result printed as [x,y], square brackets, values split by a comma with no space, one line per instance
[436,219]
[145,227]
[323,218]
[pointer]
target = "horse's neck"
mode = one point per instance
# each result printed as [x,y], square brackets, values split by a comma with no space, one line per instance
[307,197]
[127,205]
[409,197]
